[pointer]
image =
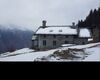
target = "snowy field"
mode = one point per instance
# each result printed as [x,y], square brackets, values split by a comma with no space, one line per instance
[92,50]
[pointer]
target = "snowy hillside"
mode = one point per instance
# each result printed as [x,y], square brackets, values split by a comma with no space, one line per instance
[89,52]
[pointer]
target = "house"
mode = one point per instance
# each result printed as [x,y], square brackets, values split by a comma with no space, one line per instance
[96,34]
[49,37]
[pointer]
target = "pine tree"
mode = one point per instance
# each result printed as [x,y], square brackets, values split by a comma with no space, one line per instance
[92,20]
[98,17]
[89,19]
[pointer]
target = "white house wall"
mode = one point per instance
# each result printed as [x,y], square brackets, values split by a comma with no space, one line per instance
[49,39]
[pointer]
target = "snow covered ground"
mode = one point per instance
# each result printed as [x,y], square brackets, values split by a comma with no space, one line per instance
[94,54]
[26,54]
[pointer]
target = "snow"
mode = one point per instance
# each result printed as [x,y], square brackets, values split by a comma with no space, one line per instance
[27,54]
[17,52]
[88,54]
[34,37]
[95,54]
[57,30]
[67,45]
[25,50]
[91,39]
[84,33]
[64,31]
[82,46]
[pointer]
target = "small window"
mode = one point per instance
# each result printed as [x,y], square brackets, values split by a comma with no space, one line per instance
[83,43]
[60,30]
[54,36]
[54,43]
[44,42]
[66,36]
[74,36]
[66,42]
[51,30]
[44,36]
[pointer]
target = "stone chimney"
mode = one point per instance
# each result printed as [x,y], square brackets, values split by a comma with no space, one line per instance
[44,23]
[73,24]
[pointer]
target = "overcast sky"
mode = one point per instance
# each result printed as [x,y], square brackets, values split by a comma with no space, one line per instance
[32,12]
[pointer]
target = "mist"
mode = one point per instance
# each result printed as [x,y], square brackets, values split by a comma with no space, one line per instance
[30,13]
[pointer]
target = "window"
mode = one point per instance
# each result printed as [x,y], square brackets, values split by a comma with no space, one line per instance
[51,30]
[66,36]
[44,42]
[54,43]
[54,36]
[44,36]
[83,43]
[60,30]
[66,42]
[74,36]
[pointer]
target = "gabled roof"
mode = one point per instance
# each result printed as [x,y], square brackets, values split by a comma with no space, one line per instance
[64,30]
[57,30]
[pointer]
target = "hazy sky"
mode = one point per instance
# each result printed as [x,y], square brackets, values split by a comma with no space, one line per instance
[32,12]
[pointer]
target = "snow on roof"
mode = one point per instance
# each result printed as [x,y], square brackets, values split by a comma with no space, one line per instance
[34,37]
[67,45]
[91,39]
[84,33]
[57,30]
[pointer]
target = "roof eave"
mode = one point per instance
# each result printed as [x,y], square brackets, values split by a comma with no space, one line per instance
[55,34]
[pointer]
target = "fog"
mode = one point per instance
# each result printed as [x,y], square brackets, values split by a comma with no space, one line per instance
[30,13]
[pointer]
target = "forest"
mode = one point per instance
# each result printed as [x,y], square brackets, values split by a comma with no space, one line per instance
[92,20]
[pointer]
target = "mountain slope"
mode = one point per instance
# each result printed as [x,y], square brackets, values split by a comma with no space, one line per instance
[12,38]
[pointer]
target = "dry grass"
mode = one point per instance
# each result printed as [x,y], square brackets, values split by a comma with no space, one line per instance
[68,54]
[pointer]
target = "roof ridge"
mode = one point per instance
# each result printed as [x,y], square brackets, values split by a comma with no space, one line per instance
[59,26]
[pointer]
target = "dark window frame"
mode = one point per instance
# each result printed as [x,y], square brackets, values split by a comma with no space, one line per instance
[54,36]
[44,42]
[75,36]
[60,31]
[66,42]
[54,43]
[66,36]
[44,36]
[83,43]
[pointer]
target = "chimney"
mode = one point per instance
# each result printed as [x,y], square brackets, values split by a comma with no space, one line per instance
[44,23]
[73,24]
